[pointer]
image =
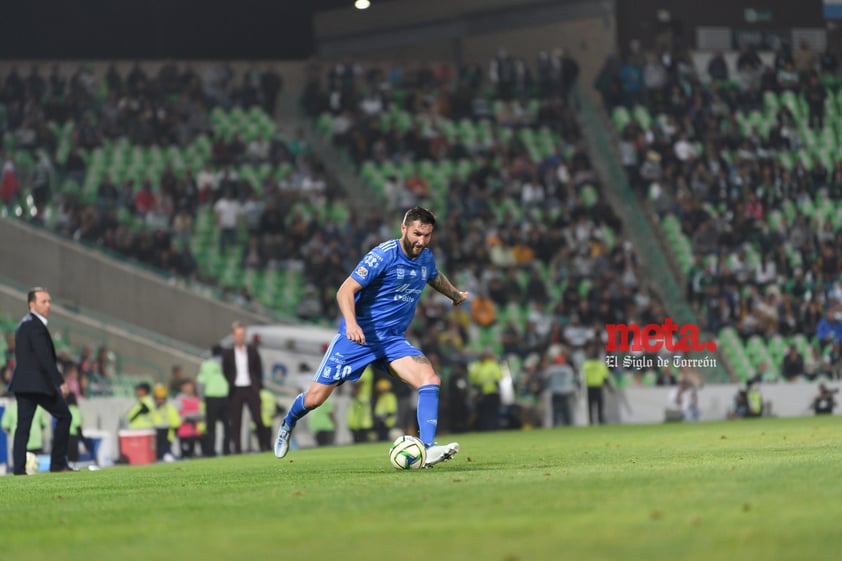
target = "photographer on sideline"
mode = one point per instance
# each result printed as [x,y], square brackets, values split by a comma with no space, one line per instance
[825,402]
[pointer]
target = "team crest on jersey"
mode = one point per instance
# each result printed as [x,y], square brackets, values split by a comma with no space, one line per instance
[423,272]
[401,273]
[362,272]
[372,260]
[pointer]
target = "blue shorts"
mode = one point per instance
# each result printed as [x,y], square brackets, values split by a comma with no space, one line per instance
[345,360]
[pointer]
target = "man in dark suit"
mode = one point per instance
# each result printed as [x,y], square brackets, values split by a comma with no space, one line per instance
[37,381]
[243,369]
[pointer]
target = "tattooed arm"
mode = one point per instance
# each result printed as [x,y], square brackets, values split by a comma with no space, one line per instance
[443,285]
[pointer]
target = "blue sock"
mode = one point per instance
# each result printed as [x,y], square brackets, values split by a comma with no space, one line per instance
[296,411]
[428,412]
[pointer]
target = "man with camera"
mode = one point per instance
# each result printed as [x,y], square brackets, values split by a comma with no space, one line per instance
[825,402]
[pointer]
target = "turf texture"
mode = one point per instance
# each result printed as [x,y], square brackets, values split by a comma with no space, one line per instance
[764,489]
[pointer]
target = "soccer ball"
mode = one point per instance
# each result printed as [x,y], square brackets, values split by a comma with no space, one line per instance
[407,452]
[31,463]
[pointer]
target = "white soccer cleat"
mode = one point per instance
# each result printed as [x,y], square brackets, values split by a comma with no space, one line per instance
[437,454]
[282,443]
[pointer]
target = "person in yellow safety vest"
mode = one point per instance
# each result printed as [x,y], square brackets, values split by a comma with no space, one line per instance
[755,401]
[360,421]
[485,375]
[192,413]
[268,412]
[323,423]
[35,444]
[213,388]
[140,415]
[596,375]
[385,409]
[76,435]
[166,420]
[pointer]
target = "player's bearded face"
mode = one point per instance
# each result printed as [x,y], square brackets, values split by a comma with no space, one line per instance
[416,236]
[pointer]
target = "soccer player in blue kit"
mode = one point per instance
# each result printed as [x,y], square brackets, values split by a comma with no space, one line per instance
[377,302]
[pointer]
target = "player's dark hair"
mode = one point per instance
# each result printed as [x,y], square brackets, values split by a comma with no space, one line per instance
[420,214]
[30,296]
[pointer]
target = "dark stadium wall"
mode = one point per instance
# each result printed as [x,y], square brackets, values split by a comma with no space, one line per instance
[587,40]
[396,14]
[638,19]
[157,29]
[469,31]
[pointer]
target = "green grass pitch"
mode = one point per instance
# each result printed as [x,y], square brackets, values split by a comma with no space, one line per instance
[750,490]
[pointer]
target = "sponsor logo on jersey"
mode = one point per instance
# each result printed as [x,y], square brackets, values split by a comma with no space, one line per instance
[408,289]
[412,273]
[362,272]
[405,293]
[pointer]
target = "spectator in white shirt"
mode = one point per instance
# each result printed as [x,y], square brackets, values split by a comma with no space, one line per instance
[371,104]
[207,180]
[227,210]
[766,271]
[532,194]
[257,150]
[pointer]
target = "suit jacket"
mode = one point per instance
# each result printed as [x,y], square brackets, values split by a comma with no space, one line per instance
[229,367]
[35,359]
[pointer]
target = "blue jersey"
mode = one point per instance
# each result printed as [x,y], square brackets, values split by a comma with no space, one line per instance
[392,284]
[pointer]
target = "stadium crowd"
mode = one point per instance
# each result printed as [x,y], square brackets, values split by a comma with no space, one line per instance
[148,216]
[518,225]
[524,230]
[747,162]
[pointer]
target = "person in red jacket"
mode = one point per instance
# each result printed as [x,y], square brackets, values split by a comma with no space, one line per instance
[9,183]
